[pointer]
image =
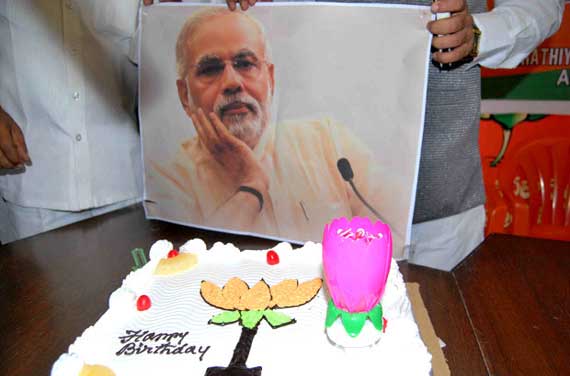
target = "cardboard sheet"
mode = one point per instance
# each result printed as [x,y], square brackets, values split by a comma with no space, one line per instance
[427,332]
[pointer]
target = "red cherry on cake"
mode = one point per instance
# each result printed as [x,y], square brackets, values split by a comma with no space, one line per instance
[272,257]
[143,303]
[173,253]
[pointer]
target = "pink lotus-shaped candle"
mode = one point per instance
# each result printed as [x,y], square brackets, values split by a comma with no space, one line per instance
[356,258]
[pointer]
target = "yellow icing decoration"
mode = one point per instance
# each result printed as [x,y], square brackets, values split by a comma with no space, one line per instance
[177,264]
[96,370]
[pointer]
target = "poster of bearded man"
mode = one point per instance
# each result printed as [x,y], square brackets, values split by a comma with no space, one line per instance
[276,120]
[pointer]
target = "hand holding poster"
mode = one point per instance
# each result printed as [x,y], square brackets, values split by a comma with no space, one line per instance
[246,116]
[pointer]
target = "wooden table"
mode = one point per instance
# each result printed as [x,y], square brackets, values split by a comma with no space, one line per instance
[504,311]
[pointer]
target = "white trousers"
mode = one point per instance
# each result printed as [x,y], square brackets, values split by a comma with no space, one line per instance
[18,222]
[444,243]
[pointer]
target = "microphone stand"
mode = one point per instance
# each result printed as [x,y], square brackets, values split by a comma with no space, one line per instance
[364,201]
[343,166]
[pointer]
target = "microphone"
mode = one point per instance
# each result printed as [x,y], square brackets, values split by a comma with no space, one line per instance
[343,166]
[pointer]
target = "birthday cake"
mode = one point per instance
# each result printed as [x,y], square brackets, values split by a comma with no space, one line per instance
[198,311]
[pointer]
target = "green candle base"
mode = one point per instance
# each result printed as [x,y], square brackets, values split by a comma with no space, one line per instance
[354,322]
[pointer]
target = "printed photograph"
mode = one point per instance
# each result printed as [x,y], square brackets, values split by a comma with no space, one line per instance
[276,120]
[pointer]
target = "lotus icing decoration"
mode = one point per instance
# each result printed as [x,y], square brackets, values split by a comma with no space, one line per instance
[249,306]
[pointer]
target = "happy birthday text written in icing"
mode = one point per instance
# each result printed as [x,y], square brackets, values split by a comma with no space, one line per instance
[136,342]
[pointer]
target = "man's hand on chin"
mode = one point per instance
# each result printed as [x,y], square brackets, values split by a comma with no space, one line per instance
[453,36]
[233,154]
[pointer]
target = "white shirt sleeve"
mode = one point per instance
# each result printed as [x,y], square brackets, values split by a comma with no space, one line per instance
[118,18]
[514,28]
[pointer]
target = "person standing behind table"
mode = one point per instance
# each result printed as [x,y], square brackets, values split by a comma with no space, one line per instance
[69,142]
[449,215]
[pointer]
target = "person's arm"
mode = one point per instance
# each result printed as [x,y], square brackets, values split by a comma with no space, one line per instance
[514,28]
[239,163]
[172,194]
[508,33]
[240,211]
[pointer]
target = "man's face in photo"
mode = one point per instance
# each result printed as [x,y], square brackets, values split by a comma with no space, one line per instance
[228,74]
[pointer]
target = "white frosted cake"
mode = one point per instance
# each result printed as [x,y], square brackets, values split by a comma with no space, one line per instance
[181,314]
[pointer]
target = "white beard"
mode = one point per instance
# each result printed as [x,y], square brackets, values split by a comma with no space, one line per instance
[247,128]
[244,129]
